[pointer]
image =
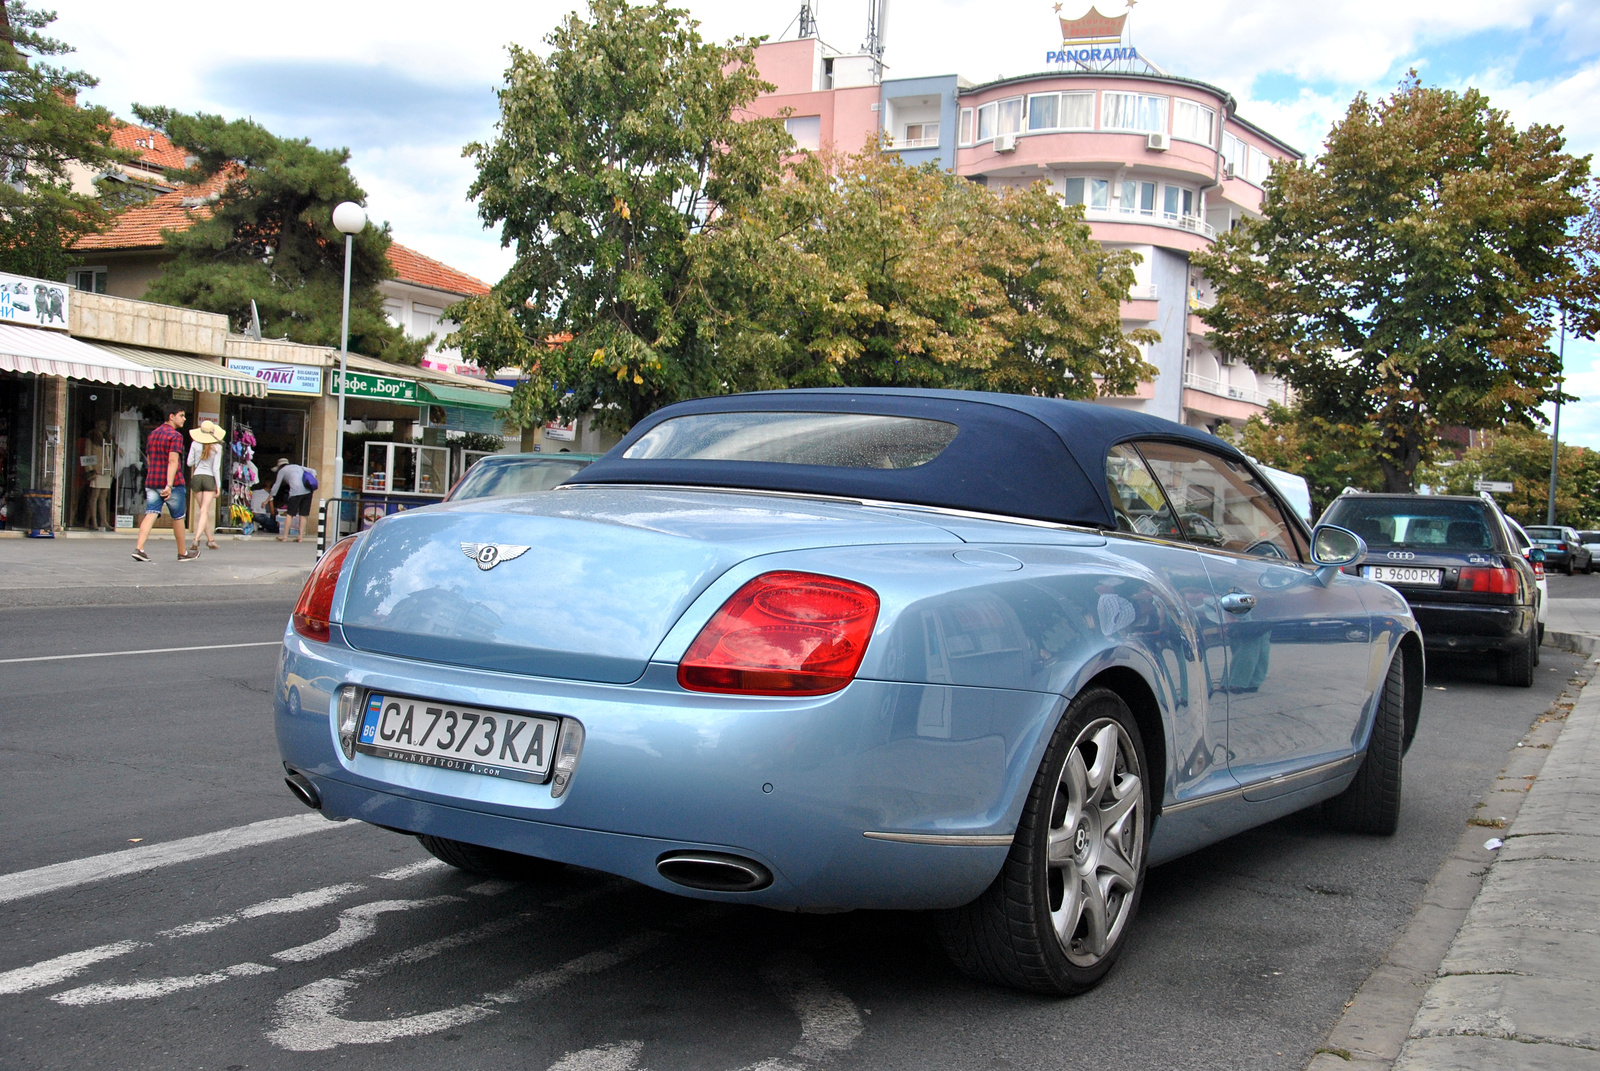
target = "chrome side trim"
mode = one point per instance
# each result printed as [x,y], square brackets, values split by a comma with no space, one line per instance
[1314,775]
[963,840]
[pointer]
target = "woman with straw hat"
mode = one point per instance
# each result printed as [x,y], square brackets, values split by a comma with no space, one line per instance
[205,461]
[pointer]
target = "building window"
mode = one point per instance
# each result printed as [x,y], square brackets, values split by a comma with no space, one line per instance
[1233,154]
[1248,162]
[1177,202]
[1193,122]
[1139,197]
[1260,166]
[1133,111]
[1089,192]
[921,135]
[986,123]
[806,130]
[424,320]
[394,311]
[1008,119]
[966,126]
[89,280]
[1061,111]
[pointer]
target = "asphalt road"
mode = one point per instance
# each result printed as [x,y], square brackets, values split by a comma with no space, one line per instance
[344,943]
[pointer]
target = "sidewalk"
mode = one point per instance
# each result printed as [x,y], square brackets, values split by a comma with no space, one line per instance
[1520,987]
[98,571]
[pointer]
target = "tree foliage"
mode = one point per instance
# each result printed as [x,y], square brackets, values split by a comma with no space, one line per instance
[269,237]
[671,245]
[858,271]
[1522,456]
[43,132]
[1406,279]
[1330,456]
[614,154]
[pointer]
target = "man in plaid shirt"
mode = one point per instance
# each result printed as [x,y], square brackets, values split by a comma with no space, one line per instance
[163,482]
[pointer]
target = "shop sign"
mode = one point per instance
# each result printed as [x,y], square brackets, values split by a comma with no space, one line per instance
[366,385]
[566,432]
[281,378]
[33,302]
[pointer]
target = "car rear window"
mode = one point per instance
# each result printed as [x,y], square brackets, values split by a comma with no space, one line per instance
[1589,537]
[1415,524]
[497,479]
[837,440]
[1538,531]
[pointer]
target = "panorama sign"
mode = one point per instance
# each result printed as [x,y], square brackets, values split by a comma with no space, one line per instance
[1092,39]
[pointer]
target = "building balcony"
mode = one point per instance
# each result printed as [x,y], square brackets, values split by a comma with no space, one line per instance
[1220,389]
[896,144]
[1192,224]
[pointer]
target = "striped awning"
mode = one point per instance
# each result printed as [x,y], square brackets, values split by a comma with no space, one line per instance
[187,372]
[52,353]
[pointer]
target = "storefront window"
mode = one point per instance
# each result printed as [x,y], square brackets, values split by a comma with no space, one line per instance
[406,469]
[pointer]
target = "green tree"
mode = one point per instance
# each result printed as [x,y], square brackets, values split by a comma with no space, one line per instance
[1522,456]
[43,134]
[1329,455]
[858,271]
[269,237]
[614,154]
[1406,278]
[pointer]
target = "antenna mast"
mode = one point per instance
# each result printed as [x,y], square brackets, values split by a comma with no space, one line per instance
[808,20]
[877,19]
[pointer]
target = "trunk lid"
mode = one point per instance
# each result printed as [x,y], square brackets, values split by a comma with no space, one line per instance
[607,572]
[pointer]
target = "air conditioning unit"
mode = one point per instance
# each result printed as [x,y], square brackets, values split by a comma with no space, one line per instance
[1158,143]
[1227,171]
[1005,143]
[1225,361]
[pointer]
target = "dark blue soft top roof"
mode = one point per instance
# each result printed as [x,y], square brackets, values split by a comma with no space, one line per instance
[1014,455]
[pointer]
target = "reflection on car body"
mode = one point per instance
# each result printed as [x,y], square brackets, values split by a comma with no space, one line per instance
[989,655]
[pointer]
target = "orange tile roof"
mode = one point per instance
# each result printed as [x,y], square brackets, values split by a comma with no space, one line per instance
[154,148]
[412,267]
[140,227]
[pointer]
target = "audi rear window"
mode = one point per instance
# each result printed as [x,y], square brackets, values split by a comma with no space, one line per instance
[1415,524]
[836,440]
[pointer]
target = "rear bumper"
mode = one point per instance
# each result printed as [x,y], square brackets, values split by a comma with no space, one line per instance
[791,783]
[1465,627]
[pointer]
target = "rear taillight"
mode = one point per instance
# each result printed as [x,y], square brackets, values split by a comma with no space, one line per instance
[1494,580]
[1538,568]
[316,598]
[1561,546]
[783,634]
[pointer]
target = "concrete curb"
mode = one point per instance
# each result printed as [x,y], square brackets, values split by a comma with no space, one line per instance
[1377,1024]
[1572,641]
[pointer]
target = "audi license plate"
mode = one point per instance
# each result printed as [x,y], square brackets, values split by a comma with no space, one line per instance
[1403,574]
[452,737]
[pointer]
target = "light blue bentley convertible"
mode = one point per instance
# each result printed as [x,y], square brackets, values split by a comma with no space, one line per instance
[827,649]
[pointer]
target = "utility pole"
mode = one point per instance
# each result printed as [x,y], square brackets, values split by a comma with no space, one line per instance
[1555,428]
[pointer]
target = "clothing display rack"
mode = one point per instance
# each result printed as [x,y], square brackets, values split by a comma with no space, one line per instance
[242,476]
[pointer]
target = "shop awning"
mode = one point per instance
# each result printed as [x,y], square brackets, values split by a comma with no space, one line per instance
[51,353]
[466,397]
[188,373]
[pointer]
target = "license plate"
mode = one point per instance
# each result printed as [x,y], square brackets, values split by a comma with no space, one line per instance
[1403,574]
[454,737]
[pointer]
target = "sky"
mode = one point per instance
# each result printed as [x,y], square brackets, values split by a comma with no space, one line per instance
[404,86]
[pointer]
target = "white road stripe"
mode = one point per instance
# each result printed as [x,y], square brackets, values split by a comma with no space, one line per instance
[410,870]
[152,650]
[51,971]
[492,888]
[356,924]
[45,879]
[619,1056]
[286,905]
[158,987]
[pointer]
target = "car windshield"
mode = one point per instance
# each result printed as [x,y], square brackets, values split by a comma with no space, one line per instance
[497,479]
[1415,523]
[837,440]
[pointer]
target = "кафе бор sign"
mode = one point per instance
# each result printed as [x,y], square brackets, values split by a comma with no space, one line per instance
[367,385]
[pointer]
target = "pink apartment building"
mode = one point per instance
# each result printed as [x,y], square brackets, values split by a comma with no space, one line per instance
[1161,164]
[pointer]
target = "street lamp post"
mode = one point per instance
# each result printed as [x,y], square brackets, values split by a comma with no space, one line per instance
[350,218]
[1555,429]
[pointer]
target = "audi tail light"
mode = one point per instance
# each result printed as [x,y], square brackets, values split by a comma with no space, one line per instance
[316,598]
[1494,580]
[784,633]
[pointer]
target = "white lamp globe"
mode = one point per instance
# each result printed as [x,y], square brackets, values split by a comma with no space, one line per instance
[350,217]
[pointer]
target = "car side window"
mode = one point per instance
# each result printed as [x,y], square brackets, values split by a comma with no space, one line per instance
[1136,498]
[1219,503]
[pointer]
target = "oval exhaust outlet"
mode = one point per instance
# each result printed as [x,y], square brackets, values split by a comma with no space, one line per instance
[303,789]
[713,871]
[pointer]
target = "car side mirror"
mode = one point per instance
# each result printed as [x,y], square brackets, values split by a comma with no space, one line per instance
[1536,554]
[1334,548]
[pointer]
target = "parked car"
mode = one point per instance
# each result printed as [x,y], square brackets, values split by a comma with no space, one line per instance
[1563,548]
[991,655]
[1591,542]
[499,475]
[1534,556]
[1453,559]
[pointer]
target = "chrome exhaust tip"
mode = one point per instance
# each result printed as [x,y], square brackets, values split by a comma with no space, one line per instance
[713,871]
[303,789]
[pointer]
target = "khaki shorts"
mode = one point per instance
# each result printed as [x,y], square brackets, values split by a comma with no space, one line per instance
[201,482]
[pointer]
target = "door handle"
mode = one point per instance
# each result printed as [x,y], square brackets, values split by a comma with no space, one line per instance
[1237,602]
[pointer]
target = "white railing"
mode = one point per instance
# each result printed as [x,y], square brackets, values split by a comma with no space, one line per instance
[914,143]
[1193,224]
[1147,292]
[1228,390]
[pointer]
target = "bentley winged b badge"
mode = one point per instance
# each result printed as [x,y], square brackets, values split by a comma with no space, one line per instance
[489,555]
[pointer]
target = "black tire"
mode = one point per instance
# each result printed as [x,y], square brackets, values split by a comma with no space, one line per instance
[1568,567]
[488,862]
[1008,935]
[1541,634]
[1515,667]
[1371,804]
